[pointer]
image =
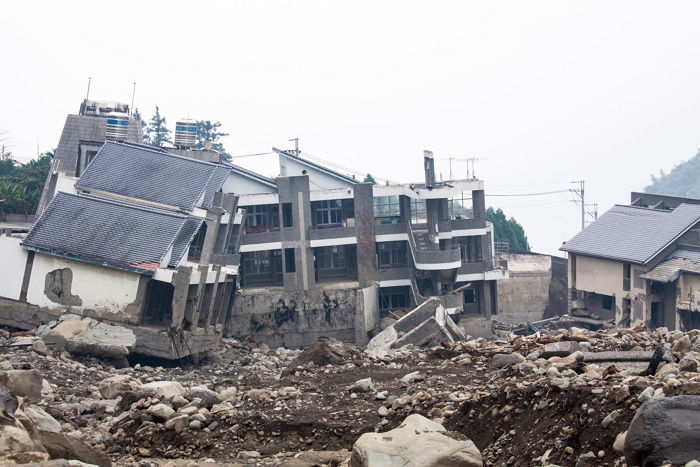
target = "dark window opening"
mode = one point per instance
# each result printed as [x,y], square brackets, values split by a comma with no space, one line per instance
[657,287]
[262,267]
[392,255]
[657,315]
[336,262]
[195,252]
[471,296]
[471,248]
[287,218]
[159,303]
[607,302]
[289,260]
[262,218]
[626,274]
[394,298]
[329,213]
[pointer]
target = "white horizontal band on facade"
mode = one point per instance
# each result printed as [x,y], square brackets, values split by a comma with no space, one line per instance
[395,283]
[392,237]
[462,233]
[333,241]
[260,247]
[438,266]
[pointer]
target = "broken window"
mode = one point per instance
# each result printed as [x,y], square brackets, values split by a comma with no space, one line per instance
[392,255]
[159,303]
[471,248]
[393,298]
[287,218]
[195,252]
[626,274]
[471,296]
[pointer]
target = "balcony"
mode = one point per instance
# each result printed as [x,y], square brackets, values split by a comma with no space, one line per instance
[427,255]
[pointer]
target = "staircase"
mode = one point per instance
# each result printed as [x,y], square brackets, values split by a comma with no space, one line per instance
[423,241]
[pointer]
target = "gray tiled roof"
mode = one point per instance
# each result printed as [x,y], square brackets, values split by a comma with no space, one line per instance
[108,232]
[184,238]
[685,254]
[633,234]
[149,174]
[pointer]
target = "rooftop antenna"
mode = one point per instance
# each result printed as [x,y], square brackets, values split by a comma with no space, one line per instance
[296,145]
[88,89]
[133,94]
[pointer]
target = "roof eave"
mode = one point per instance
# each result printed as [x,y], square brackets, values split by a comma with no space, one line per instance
[97,262]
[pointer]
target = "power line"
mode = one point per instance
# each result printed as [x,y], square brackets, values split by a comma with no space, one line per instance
[251,155]
[531,194]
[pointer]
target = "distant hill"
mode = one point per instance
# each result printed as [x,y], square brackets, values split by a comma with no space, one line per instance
[683,180]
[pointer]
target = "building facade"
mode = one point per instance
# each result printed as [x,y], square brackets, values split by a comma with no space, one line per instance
[639,263]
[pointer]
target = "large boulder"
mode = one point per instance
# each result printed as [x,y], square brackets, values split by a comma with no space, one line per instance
[503,360]
[416,442]
[560,349]
[18,447]
[665,429]
[326,351]
[164,389]
[117,385]
[23,383]
[87,336]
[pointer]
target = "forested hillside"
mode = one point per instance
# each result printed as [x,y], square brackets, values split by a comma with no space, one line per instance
[682,180]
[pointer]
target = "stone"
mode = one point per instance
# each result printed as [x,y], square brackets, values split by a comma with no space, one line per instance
[206,396]
[382,411]
[363,385]
[248,454]
[178,424]
[196,425]
[588,459]
[62,446]
[646,395]
[117,385]
[41,420]
[559,349]
[418,441]
[229,394]
[611,417]
[682,345]
[413,377]
[87,336]
[165,389]
[502,360]
[23,383]
[161,412]
[326,351]
[14,439]
[570,361]
[664,429]
[619,444]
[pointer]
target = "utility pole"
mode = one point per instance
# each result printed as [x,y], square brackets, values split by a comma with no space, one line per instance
[581,195]
[296,145]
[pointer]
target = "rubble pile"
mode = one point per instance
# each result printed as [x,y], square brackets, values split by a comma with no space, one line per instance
[561,397]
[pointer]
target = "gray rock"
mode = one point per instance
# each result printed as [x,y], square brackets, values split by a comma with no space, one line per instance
[207,397]
[502,360]
[161,412]
[87,336]
[664,429]
[363,385]
[178,423]
[164,389]
[413,377]
[23,383]
[560,349]
[416,442]
[41,419]
[117,385]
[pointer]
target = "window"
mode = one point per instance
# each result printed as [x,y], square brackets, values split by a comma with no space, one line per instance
[471,249]
[607,302]
[471,296]
[626,274]
[387,206]
[332,257]
[263,218]
[289,263]
[327,212]
[262,267]
[195,252]
[418,211]
[392,255]
[287,218]
[392,298]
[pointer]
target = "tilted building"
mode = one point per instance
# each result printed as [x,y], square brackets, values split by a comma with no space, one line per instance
[183,249]
[639,263]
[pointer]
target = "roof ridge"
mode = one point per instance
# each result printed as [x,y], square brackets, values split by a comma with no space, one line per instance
[163,152]
[124,203]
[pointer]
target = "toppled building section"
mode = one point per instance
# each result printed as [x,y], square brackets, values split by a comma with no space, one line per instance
[429,323]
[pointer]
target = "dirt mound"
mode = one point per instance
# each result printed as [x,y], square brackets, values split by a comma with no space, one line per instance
[327,351]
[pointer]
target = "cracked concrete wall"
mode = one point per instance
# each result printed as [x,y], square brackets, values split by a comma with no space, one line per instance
[524,296]
[298,318]
[87,289]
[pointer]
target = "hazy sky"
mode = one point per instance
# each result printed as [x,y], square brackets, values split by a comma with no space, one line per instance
[545,91]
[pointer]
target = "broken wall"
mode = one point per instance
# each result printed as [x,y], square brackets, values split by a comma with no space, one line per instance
[298,318]
[12,261]
[525,295]
[90,290]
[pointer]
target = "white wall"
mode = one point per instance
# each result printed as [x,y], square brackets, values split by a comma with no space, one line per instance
[599,276]
[318,180]
[241,185]
[100,288]
[13,259]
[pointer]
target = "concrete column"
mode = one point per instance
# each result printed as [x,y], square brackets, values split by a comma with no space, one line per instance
[213,221]
[478,204]
[486,299]
[364,230]
[429,166]
[295,190]
[181,285]
[405,208]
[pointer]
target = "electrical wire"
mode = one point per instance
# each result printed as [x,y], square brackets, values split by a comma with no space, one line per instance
[531,194]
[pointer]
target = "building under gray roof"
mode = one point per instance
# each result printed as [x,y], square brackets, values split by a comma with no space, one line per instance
[150,174]
[633,234]
[86,128]
[111,233]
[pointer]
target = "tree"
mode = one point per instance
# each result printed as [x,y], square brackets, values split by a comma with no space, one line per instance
[369,179]
[208,131]
[156,133]
[683,180]
[507,230]
[21,184]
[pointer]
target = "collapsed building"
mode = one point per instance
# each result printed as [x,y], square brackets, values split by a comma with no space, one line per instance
[639,263]
[183,248]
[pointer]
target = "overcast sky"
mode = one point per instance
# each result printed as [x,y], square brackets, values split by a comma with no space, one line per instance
[546,92]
